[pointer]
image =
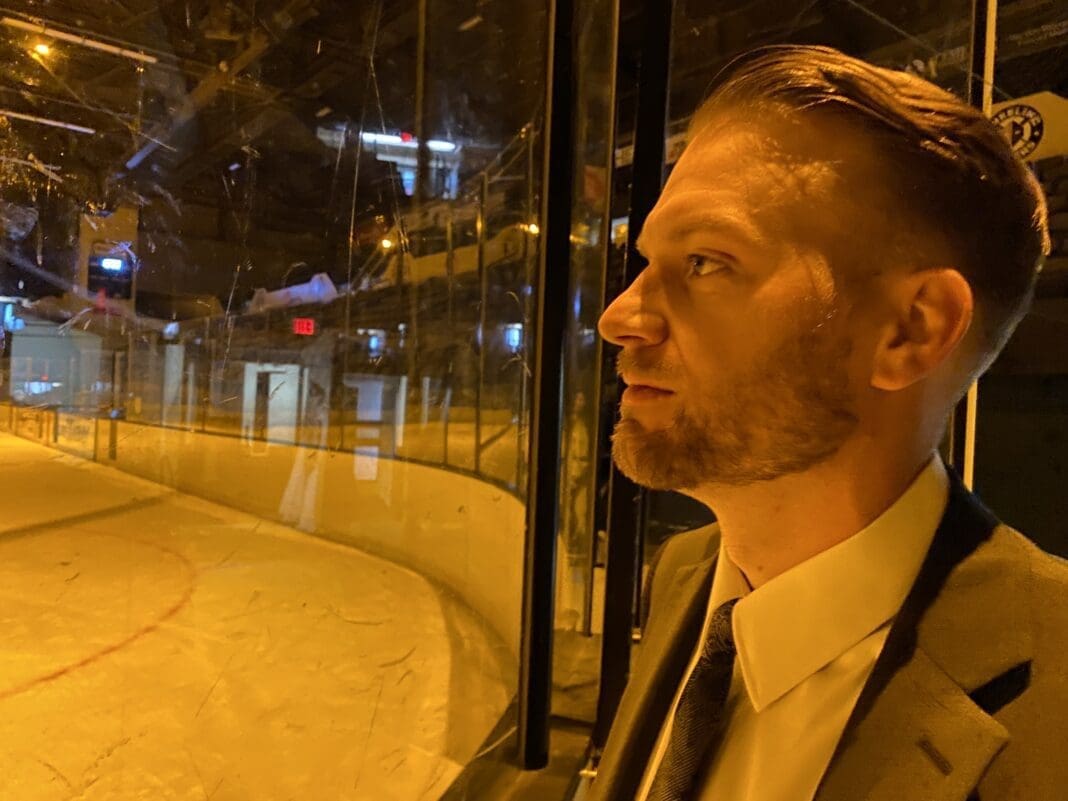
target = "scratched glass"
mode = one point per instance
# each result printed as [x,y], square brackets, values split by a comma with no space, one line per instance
[267,272]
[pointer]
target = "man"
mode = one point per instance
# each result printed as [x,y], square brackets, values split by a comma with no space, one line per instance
[840,251]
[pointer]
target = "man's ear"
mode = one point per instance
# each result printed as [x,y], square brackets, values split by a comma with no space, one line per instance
[930,313]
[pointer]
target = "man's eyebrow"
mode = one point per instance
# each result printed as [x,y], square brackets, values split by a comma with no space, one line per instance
[738,228]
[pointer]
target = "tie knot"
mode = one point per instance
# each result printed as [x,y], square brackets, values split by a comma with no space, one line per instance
[720,640]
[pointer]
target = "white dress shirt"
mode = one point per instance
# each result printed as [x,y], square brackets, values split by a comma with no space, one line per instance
[807,641]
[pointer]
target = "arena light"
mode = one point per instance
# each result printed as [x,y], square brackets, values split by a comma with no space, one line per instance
[42,49]
[372,138]
[42,29]
[437,145]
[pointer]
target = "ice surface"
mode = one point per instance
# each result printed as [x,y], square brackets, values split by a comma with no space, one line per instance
[158,646]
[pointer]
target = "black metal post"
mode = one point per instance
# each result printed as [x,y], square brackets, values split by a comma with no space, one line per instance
[483,297]
[422,174]
[979,52]
[450,350]
[422,170]
[625,498]
[543,507]
[450,275]
[530,252]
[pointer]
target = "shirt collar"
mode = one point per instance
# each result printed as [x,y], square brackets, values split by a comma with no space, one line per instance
[805,618]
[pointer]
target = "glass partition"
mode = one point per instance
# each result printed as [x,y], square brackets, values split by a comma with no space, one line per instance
[267,274]
[580,573]
[1022,421]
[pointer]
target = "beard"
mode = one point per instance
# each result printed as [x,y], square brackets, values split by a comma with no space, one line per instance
[783,416]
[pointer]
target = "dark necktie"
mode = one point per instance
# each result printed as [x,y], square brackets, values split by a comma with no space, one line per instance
[699,715]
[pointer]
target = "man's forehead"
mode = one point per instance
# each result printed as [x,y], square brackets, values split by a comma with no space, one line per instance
[776,162]
[786,174]
[808,133]
[797,184]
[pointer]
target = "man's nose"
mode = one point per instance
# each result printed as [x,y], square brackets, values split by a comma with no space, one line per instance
[633,319]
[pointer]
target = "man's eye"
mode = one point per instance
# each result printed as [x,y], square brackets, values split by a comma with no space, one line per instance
[700,265]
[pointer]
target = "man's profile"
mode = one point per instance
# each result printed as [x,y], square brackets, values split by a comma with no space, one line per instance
[840,251]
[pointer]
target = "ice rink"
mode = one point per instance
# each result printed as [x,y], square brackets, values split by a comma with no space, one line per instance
[159,646]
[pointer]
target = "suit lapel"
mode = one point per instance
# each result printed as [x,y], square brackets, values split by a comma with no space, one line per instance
[915,733]
[922,739]
[667,646]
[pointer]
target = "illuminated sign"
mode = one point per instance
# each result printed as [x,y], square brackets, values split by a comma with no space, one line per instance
[1036,125]
[304,326]
[111,264]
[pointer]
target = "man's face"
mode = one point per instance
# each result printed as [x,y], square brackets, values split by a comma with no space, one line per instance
[736,341]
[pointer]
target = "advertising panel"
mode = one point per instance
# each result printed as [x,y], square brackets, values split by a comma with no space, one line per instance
[76,434]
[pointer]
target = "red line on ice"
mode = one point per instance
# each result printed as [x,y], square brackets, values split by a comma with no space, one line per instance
[110,649]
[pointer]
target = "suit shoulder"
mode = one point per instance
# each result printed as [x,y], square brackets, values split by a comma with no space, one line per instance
[1047,573]
[1050,570]
[1030,767]
[690,547]
[1042,578]
[1048,576]
[680,550]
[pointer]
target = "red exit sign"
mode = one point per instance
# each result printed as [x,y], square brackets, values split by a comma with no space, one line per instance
[304,326]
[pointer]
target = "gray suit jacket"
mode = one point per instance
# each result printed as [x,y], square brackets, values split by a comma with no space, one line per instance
[968,700]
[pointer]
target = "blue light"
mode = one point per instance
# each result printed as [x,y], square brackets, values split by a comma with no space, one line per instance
[513,336]
[11,322]
[112,265]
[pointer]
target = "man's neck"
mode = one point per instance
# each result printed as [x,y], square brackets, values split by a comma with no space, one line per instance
[769,527]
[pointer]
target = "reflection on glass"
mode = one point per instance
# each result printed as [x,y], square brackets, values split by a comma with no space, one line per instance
[266,274]
[579,581]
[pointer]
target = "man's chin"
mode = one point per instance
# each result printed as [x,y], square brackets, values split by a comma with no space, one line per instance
[649,419]
[644,461]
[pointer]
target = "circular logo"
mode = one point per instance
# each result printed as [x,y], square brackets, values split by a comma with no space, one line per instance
[1022,126]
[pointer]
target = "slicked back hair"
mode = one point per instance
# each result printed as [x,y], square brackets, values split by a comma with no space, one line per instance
[956,186]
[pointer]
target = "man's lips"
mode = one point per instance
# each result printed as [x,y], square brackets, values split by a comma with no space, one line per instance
[637,392]
[644,383]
